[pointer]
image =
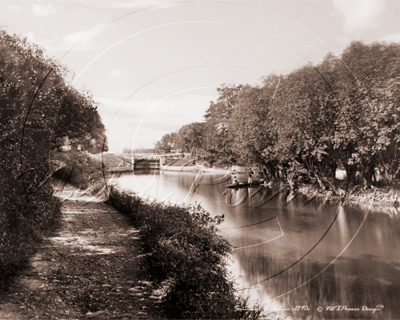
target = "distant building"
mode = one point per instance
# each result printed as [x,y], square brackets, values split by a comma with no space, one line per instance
[66,144]
[65,148]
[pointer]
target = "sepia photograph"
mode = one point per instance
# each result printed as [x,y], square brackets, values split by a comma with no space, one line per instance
[199,159]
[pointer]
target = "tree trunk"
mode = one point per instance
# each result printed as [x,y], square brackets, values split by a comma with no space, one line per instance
[321,185]
[367,172]
[333,168]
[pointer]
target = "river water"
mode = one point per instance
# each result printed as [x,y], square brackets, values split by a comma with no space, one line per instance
[298,261]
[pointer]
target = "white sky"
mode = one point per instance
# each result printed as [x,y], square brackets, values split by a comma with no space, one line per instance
[156,69]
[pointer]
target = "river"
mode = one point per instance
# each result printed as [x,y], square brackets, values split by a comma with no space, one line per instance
[298,261]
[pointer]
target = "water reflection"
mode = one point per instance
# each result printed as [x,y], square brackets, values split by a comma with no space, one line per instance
[296,250]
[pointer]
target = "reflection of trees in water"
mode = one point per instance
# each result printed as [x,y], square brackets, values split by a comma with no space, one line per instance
[264,194]
[351,282]
[235,197]
[198,181]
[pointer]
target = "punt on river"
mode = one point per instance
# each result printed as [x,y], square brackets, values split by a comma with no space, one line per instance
[245,184]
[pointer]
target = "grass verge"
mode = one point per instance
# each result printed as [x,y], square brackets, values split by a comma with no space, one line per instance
[186,257]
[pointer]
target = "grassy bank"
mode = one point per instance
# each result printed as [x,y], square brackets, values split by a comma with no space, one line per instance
[186,257]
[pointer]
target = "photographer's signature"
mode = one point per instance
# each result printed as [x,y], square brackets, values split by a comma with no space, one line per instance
[343,308]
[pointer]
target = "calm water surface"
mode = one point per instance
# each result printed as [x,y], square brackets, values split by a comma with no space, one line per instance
[288,256]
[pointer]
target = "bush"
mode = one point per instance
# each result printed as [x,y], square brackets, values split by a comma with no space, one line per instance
[185,251]
[80,169]
[25,216]
[33,100]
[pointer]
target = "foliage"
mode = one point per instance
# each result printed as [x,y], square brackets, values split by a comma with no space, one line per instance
[186,139]
[167,143]
[191,136]
[79,170]
[343,112]
[184,250]
[79,120]
[27,207]
[34,104]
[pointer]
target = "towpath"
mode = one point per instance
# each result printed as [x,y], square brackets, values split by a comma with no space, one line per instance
[90,268]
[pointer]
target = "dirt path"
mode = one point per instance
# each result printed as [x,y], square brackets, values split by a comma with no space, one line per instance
[91,269]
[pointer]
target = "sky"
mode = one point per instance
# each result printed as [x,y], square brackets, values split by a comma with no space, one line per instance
[154,65]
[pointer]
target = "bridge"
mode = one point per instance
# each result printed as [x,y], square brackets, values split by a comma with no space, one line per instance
[143,162]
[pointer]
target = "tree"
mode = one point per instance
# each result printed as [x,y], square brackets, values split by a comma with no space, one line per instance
[342,112]
[249,125]
[32,92]
[31,87]
[191,136]
[219,113]
[79,120]
[167,143]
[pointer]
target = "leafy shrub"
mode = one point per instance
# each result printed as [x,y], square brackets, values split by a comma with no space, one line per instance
[185,250]
[32,98]
[25,216]
[79,170]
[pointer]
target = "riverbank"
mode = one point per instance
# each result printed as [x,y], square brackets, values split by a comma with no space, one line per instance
[186,257]
[383,198]
[195,168]
[92,267]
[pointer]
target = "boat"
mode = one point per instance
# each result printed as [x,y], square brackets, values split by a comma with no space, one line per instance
[245,184]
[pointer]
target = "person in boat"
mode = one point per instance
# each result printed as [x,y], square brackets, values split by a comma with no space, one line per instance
[251,172]
[233,175]
[265,174]
[235,181]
